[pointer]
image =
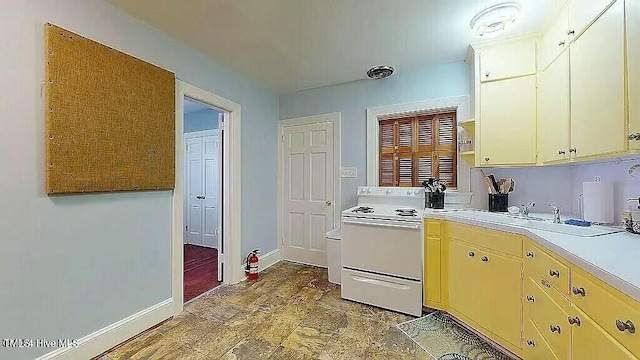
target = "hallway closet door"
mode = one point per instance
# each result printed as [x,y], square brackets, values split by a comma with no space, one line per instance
[202,179]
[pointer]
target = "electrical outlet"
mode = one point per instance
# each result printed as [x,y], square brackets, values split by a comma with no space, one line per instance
[349,172]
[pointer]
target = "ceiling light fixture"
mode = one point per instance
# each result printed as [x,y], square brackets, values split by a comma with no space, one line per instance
[380,72]
[495,19]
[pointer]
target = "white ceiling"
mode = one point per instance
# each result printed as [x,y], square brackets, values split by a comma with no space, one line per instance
[290,45]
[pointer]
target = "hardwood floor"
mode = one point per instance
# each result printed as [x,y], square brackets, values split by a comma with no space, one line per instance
[290,312]
[200,270]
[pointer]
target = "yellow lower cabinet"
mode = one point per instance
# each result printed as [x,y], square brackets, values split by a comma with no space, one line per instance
[487,288]
[590,341]
[464,277]
[549,316]
[432,272]
[535,347]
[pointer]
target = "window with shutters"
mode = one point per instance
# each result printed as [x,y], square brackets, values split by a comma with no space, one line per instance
[413,149]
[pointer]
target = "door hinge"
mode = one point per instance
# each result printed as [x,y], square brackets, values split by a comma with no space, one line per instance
[186,228]
[282,138]
[186,147]
[217,144]
[522,334]
[282,240]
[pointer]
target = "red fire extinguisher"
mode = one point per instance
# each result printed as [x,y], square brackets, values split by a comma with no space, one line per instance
[252,265]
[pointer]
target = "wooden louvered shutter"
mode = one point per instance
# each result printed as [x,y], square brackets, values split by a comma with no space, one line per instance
[445,151]
[387,153]
[413,149]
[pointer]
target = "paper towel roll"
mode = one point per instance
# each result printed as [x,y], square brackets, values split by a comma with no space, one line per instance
[598,202]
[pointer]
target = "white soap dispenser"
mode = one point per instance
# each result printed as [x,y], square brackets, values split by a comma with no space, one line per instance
[631,218]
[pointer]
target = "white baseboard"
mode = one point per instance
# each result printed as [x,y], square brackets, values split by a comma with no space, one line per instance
[104,339]
[267,260]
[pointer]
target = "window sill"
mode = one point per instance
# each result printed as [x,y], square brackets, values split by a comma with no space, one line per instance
[457,197]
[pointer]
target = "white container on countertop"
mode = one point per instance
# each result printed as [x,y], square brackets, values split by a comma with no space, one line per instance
[598,201]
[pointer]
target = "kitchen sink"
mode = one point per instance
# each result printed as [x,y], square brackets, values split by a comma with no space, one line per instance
[535,223]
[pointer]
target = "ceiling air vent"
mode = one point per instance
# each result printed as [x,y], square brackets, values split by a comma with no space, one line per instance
[380,72]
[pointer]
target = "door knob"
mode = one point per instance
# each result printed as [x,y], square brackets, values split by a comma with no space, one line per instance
[328,202]
[484,259]
[554,273]
[531,298]
[530,254]
[555,329]
[531,343]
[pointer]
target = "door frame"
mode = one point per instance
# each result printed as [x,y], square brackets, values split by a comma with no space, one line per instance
[336,119]
[231,178]
[195,134]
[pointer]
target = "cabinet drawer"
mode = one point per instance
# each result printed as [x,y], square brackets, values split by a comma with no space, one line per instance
[535,346]
[608,310]
[384,291]
[590,341]
[551,269]
[549,317]
[508,60]
[433,227]
[496,240]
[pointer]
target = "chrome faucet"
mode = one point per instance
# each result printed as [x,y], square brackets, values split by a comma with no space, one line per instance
[526,209]
[556,214]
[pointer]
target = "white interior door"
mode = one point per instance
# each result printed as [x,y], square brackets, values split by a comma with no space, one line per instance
[202,172]
[308,184]
[194,190]
[210,193]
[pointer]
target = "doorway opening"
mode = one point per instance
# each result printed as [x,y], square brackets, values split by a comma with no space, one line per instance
[203,198]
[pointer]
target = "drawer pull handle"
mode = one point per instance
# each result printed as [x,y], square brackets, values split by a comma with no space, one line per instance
[531,298]
[574,320]
[545,283]
[531,343]
[561,43]
[555,328]
[626,325]
[471,254]
[530,254]
[571,32]
[578,291]
[554,273]
[484,259]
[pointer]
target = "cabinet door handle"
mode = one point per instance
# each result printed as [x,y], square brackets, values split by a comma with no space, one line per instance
[573,150]
[555,329]
[487,74]
[561,152]
[578,291]
[486,159]
[561,43]
[634,136]
[530,254]
[484,259]
[626,326]
[531,298]
[471,254]
[571,32]
[574,320]
[545,283]
[531,343]
[554,273]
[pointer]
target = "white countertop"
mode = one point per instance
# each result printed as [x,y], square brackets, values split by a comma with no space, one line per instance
[613,258]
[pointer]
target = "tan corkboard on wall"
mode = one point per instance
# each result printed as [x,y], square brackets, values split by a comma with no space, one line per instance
[110,118]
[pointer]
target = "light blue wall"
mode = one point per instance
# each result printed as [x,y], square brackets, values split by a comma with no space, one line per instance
[206,119]
[72,265]
[353,99]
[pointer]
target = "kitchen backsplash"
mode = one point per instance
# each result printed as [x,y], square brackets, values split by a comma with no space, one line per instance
[562,184]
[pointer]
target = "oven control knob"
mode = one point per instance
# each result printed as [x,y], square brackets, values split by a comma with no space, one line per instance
[417,192]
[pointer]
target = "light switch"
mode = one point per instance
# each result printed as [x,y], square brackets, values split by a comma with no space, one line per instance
[349,172]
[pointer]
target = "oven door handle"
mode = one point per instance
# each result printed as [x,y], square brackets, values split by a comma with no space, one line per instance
[380,283]
[407,226]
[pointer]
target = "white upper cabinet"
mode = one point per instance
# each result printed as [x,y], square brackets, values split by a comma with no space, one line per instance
[583,12]
[554,112]
[633,68]
[555,40]
[598,87]
[508,60]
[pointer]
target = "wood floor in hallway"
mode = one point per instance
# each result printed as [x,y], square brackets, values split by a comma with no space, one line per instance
[291,312]
[200,270]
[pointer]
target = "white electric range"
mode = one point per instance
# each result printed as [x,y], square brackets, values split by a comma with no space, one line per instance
[382,248]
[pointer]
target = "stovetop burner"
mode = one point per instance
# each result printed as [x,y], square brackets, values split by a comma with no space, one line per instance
[406,212]
[363,209]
